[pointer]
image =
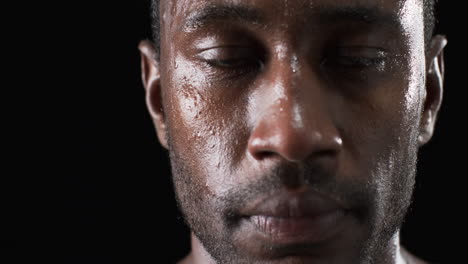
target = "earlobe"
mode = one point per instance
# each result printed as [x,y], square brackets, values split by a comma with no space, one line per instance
[427,128]
[434,88]
[152,82]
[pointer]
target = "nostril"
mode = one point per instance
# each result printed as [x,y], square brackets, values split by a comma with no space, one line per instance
[264,154]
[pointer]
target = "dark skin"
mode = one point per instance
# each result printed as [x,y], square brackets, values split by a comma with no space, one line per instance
[293,126]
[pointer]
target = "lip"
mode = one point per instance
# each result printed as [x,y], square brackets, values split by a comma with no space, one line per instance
[295,218]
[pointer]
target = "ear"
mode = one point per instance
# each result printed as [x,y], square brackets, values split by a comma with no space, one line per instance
[152,82]
[434,87]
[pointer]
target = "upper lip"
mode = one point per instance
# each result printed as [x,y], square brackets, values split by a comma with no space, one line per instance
[292,205]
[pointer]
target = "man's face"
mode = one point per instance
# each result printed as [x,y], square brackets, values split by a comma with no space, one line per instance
[293,126]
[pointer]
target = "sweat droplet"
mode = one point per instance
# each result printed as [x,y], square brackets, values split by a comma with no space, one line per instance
[294,64]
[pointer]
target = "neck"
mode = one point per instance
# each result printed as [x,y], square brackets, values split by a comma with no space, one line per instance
[198,254]
[398,255]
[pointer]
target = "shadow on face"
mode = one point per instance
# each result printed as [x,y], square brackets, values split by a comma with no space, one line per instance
[293,126]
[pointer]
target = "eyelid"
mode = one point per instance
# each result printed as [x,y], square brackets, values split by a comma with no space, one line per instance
[356,57]
[215,41]
[226,52]
[362,50]
[209,51]
[222,48]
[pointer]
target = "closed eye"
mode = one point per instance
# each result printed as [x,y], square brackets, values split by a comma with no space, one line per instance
[356,57]
[230,57]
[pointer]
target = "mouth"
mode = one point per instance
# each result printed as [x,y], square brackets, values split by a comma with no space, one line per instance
[295,219]
[292,230]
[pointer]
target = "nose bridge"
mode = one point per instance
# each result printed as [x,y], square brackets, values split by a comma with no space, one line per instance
[295,122]
[302,99]
[294,110]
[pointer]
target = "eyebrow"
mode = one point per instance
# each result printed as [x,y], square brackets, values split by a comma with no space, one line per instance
[212,14]
[215,13]
[362,14]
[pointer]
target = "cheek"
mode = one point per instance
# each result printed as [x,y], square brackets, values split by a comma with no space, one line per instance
[380,131]
[412,13]
[205,124]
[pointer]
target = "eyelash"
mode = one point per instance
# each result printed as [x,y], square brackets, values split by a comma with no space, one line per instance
[232,63]
[365,58]
[359,62]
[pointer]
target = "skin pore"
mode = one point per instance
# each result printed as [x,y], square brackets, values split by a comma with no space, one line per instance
[293,126]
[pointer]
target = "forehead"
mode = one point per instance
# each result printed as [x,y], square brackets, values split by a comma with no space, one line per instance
[180,12]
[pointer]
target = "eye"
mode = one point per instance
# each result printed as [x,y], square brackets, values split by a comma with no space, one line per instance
[231,57]
[356,58]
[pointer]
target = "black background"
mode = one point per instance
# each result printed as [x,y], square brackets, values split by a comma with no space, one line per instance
[117,199]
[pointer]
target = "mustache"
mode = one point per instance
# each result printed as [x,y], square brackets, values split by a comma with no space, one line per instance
[349,191]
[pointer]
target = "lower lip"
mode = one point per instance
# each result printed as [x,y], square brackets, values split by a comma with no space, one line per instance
[285,230]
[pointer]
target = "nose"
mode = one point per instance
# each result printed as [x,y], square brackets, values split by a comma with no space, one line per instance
[295,121]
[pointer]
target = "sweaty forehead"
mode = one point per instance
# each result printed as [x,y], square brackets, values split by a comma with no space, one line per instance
[177,13]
